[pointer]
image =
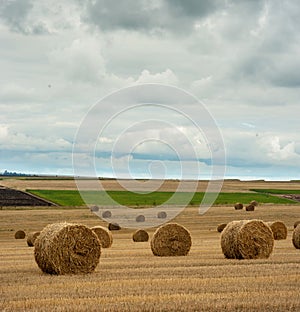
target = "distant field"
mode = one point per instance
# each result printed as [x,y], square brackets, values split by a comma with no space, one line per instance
[280,192]
[73,198]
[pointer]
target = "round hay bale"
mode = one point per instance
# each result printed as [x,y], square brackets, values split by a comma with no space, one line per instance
[31,237]
[250,207]
[238,206]
[114,227]
[247,239]
[296,237]
[105,236]
[162,215]
[171,239]
[20,234]
[65,248]
[279,230]
[254,203]
[296,223]
[140,218]
[221,227]
[94,208]
[140,236]
[106,214]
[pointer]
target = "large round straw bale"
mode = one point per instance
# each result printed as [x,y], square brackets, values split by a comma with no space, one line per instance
[296,223]
[254,203]
[171,239]
[238,206]
[221,227]
[31,237]
[114,227]
[140,236]
[162,215]
[279,229]
[247,239]
[104,236]
[296,237]
[20,234]
[250,207]
[65,248]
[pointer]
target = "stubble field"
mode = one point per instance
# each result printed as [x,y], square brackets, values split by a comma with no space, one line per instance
[130,278]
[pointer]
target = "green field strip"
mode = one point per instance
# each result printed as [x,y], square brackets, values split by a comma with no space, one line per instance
[274,191]
[73,198]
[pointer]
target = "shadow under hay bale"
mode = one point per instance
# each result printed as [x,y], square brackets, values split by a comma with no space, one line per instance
[140,236]
[250,207]
[105,236]
[238,206]
[106,214]
[279,230]
[114,227]
[296,223]
[171,239]
[221,227]
[162,215]
[140,218]
[20,234]
[65,248]
[296,237]
[247,239]
[254,203]
[31,237]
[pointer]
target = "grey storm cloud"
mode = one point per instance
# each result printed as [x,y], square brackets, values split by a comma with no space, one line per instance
[14,13]
[149,15]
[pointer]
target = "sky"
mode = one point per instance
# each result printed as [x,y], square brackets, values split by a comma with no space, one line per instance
[71,71]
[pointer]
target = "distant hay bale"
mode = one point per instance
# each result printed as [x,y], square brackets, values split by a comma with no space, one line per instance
[296,237]
[94,208]
[247,239]
[140,218]
[296,223]
[65,248]
[114,227]
[140,236]
[162,215]
[20,234]
[31,237]
[279,230]
[238,206]
[171,239]
[221,227]
[254,203]
[106,214]
[105,236]
[250,207]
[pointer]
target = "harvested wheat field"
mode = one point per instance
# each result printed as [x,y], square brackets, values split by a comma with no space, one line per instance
[130,278]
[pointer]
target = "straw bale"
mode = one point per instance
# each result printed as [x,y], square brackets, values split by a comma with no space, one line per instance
[31,237]
[247,239]
[279,229]
[66,248]
[140,236]
[104,235]
[171,239]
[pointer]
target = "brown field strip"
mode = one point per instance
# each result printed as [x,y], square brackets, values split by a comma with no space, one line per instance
[130,278]
[141,185]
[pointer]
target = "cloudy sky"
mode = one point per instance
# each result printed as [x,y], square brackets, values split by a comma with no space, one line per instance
[239,58]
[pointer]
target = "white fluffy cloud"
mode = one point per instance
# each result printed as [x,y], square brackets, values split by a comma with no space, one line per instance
[239,57]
